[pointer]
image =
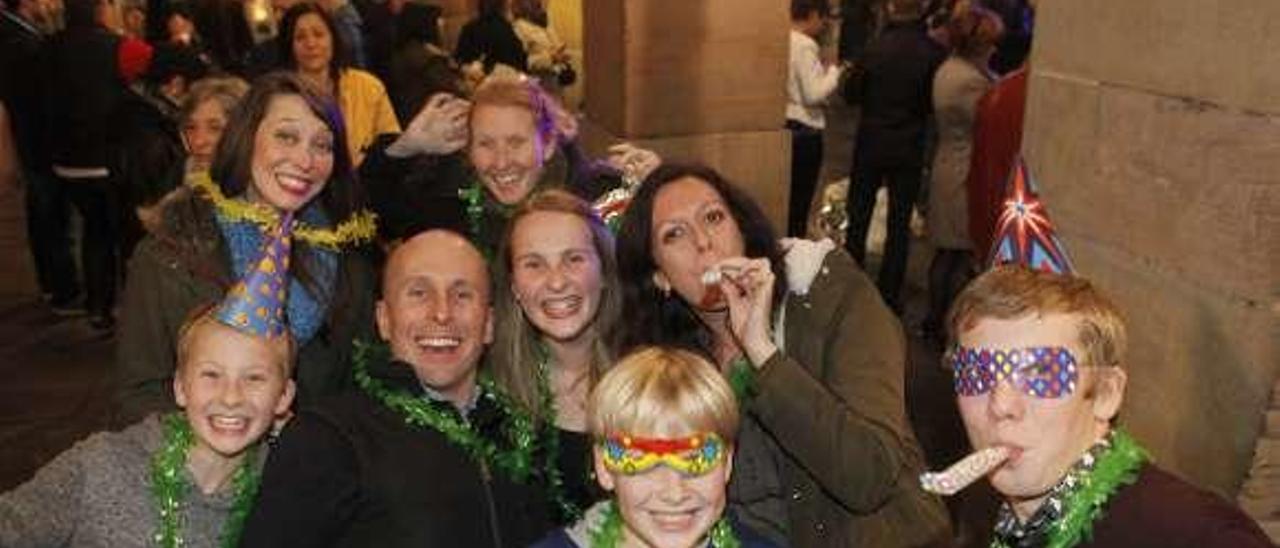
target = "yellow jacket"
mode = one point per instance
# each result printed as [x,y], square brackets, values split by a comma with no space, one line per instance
[366,109]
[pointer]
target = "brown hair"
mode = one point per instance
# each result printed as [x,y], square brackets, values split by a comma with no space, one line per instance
[516,352]
[225,90]
[656,391]
[973,30]
[1014,291]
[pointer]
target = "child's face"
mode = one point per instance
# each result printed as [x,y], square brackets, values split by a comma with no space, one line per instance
[664,508]
[232,387]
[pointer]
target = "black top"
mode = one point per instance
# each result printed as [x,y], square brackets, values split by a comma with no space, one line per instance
[20,89]
[897,95]
[491,37]
[576,469]
[1162,510]
[351,472]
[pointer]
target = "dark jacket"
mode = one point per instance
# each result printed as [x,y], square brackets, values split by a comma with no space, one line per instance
[492,38]
[20,88]
[560,538]
[1160,510]
[351,472]
[897,95]
[422,192]
[184,263]
[149,158]
[826,456]
[83,88]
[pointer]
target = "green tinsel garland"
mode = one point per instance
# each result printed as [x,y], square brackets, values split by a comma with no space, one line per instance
[474,205]
[519,430]
[742,378]
[609,532]
[555,483]
[1117,466]
[169,486]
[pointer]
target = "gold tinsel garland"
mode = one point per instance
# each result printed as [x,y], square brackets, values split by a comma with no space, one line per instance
[361,227]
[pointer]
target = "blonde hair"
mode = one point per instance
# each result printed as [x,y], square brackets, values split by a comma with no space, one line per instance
[663,392]
[203,318]
[516,352]
[227,91]
[1013,291]
[509,88]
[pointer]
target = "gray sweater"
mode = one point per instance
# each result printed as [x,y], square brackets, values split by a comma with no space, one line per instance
[98,493]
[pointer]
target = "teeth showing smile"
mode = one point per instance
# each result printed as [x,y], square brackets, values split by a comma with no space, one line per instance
[291,183]
[224,423]
[673,520]
[438,344]
[561,308]
[506,179]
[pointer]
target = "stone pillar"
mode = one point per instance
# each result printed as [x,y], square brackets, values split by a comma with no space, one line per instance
[1153,127]
[695,81]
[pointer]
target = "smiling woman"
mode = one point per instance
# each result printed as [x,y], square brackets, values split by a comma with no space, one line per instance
[557,308]
[311,46]
[282,152]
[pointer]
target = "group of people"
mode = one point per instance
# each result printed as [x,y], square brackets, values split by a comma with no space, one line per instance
[916,73]
[111,103]
[475,335]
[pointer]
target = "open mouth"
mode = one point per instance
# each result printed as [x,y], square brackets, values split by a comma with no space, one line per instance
[561,308]
[438,344]
[230,425]
[298,186]
[674,520]
[506,182]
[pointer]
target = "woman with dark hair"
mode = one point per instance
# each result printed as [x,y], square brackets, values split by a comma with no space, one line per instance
[282,158]
[553,327]
[311,46]
[825,456]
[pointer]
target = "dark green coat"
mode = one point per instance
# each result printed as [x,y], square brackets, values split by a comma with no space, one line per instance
[184,263]
[826,445]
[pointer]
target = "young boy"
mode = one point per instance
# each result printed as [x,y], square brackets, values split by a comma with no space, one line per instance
[181,479]
[664,422]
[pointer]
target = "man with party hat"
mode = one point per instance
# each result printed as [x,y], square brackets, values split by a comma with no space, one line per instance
[186,478]
[1038,355]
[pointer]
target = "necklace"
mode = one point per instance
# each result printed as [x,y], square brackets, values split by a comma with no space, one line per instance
[519,428]
[473,204]
[569,512]
[360,228]
[169,486]
[609,533]
[1116,467]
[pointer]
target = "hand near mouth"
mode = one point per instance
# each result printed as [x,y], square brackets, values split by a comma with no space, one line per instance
[747,285]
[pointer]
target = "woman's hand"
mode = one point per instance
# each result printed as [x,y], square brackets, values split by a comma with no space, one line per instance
[748,289]
[440,128]
[634,162]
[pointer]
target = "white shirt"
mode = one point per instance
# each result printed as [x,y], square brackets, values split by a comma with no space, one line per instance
[808,82]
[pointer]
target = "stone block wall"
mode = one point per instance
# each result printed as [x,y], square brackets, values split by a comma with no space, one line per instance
[1153,128]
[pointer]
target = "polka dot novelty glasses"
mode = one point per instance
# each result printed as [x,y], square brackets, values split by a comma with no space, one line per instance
[1042,371]
[693,456]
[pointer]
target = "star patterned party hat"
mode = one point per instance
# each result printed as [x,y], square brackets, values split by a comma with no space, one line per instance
[1024,235]
[255,305]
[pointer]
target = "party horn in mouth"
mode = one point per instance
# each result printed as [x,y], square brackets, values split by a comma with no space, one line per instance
[964,473]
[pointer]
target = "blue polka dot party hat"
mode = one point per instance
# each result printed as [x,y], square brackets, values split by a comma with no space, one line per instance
[256,304]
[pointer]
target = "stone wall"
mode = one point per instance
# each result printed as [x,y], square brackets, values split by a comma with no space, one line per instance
[1153,128]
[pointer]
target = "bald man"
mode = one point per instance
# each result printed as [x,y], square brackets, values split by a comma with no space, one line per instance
[420,454]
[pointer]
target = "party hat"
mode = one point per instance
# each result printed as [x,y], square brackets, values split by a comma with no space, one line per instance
[1024,235]
[256,304]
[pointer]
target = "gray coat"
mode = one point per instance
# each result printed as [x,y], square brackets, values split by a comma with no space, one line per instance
[826,456]
[98,494]
[957,87]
